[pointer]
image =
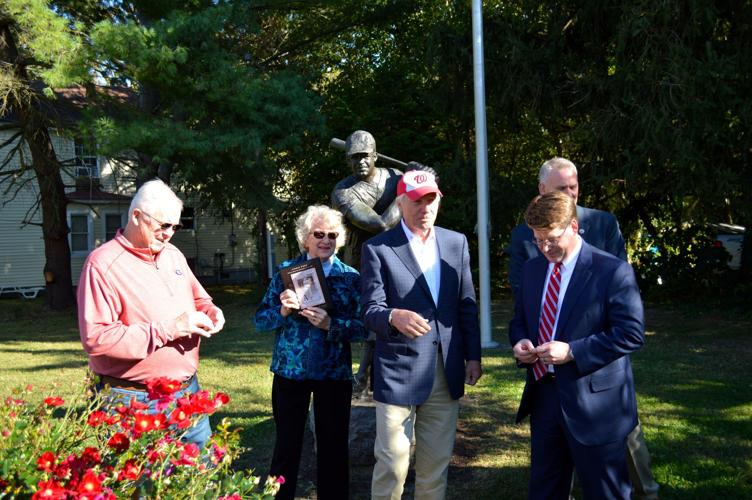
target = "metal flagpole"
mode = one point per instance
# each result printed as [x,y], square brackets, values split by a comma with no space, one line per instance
[481,162]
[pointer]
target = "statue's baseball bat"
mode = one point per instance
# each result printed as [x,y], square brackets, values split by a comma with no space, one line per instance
[340,144]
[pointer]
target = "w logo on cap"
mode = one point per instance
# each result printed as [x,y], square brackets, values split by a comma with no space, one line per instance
[417,183]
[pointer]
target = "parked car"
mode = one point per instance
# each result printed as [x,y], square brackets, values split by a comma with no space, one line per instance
[730,237]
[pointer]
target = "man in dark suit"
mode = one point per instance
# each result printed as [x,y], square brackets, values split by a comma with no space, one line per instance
[418,296]
[578,318]
[598,228]
[601,230]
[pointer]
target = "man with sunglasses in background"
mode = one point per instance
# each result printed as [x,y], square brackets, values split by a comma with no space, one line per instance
[577,318]
[601,230]
[141,311]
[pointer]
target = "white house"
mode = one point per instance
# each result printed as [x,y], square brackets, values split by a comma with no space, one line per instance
[220,247]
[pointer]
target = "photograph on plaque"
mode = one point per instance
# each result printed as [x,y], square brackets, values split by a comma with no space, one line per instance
[307,280]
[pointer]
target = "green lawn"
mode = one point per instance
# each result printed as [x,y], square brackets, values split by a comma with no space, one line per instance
[693,379]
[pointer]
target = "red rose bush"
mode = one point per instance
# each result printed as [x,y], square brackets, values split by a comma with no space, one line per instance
[57,449]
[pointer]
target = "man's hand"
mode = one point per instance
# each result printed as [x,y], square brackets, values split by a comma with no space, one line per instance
[289,301]
[194,322]
[218,318]
[409,323]
[317,317]
[554,353]
[473,372]
[524,351]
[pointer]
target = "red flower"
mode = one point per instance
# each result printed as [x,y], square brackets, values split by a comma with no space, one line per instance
[159,421]
[49,489]
[91,455]
[46,461]
[201,403]
[281,479]
[160,387]
[53,401]
[221,399]
[180,419]
[188,455]
[96,418]
[63,470]
[142,422]
[113,419]
[130,471]
[154,455]
[90,483]
[138,405]
[119,442]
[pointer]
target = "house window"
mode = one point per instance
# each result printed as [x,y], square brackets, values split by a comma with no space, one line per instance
[80,233]
[187,218]
[86,161]
[112,222]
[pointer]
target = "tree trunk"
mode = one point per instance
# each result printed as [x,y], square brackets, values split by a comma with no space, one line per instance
[263,265]
[57,268]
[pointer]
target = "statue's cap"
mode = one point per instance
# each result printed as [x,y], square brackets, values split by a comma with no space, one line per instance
[360,141]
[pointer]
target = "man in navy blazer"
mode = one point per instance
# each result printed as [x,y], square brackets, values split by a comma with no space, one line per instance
[418,297]
[601,230]
[582,404]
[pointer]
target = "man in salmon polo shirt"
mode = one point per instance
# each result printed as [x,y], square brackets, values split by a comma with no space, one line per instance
[141,311]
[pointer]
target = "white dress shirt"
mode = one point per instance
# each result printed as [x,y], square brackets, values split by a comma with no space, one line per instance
[427,255]
[567,267]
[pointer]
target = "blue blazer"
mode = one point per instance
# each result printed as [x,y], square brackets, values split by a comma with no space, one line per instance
[601,318]
[599,228]
[391,278]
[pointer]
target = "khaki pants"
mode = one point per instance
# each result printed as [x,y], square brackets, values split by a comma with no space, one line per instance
[433,424]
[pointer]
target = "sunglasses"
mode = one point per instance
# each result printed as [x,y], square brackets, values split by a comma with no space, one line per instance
[164,226]
[319,235]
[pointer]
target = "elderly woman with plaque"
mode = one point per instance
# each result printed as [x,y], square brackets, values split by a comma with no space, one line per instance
[312,306]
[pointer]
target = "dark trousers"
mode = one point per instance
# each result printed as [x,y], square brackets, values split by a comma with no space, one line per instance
[602,470]
[331,408]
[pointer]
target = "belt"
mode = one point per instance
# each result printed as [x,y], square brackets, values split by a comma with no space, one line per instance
[130,385]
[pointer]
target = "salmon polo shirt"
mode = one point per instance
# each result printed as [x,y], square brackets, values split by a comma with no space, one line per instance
[128,303]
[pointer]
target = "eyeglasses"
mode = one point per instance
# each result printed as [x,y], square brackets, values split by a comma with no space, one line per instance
[164,226]
[548,242]
[319,235]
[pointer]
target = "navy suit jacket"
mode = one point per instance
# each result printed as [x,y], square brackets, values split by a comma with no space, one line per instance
[599,228]
[601,318]
[391,278]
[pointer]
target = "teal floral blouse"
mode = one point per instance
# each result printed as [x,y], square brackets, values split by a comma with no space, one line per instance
[302,351]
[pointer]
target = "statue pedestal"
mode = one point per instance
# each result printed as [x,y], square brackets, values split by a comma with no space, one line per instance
[362,431]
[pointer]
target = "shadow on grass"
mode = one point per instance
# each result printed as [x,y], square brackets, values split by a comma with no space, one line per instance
[49,366]
[7,348]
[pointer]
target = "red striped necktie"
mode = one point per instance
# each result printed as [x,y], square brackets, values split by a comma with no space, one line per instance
[548,316]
